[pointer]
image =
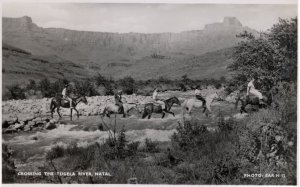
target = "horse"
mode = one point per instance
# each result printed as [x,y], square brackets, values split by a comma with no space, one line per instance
[156,108]
[58,102]
[191,103]
[253,100]
[114,109]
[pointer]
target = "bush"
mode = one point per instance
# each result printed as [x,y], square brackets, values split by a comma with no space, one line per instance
[151,146]
[55,152]
[128,85]
[189,135]
[15,92]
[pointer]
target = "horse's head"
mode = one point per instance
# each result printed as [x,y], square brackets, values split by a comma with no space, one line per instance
[174,100]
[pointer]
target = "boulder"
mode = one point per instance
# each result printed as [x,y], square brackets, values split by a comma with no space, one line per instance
[27,128]
[50,126]
[31,123]
[18,126]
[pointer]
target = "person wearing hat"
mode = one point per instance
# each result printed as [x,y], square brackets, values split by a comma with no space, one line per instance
[118,101]
[199,96]
[156,100]
[65,94]
[252,90]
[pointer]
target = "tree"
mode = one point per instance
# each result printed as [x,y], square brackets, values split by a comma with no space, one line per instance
[128,85]
[271,56]
[45,87]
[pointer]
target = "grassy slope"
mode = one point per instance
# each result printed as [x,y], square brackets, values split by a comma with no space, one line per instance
[208,65]
[19,66]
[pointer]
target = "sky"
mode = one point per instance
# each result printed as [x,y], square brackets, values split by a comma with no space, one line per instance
[146,18]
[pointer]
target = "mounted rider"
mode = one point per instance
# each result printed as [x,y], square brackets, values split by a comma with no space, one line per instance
[200,97]
[252,90]
[156,100]
[118,101]
[65,94]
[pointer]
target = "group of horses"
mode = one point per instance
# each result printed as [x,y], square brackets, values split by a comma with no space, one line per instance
[152,107]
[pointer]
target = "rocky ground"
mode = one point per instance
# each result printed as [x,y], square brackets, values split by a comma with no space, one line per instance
[26,115]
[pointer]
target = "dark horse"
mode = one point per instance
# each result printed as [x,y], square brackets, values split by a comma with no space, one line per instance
[58,102]
[253,100]
[153,108]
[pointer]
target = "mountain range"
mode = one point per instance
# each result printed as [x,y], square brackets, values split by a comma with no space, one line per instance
[81,54]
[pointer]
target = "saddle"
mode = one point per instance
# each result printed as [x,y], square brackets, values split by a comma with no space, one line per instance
[159,104]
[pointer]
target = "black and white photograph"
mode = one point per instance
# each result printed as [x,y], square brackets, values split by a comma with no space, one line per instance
[186,93]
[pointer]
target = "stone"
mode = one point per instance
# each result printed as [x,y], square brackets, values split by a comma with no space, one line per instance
[18,126]
[53,121]
[278,138]
[50,126]
[12,120]
[45,119]
[31,123]
[9,130]
[27,128]
[37,119]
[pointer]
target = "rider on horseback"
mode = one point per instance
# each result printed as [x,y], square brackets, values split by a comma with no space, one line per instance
[156,100]
[65,94]
[199,96]
[118,101]
[252,90]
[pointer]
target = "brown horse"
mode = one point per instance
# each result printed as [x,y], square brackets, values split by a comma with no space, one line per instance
[253,100]
[58,102]
[155,108]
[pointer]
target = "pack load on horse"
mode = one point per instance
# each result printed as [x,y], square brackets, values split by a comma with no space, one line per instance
[150,108]
[119,107]
[253,96]
[191,103]
[114,109]
[66,101]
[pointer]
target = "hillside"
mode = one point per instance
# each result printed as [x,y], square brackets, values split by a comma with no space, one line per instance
[19,66]
[198,53]
[208,65]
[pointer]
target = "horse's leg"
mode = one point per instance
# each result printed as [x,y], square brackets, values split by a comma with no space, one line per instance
[77,112]
[163,115]
[52,111]
[170,113]
[57,110]
[149,116]
[144,114]
[71,113]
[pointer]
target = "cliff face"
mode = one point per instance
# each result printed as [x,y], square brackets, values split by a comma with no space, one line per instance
[104,52]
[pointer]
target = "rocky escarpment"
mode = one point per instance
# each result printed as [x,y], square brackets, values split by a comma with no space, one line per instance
[99,49]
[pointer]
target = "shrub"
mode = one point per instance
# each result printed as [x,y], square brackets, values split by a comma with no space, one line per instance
[128,85]
[151,146]
[189,134]
[55,152]
[15,92]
